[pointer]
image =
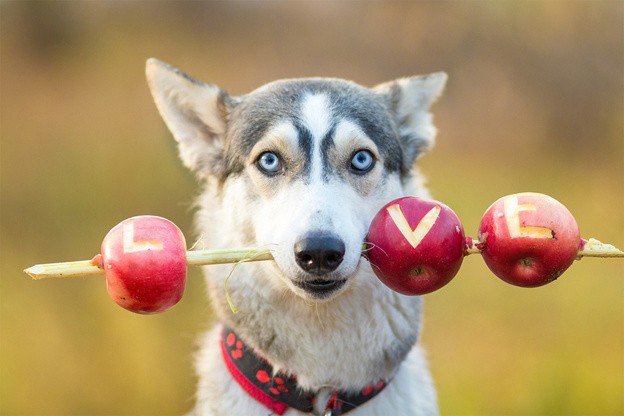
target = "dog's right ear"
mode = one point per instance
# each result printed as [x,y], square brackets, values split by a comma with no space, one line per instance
[195,112]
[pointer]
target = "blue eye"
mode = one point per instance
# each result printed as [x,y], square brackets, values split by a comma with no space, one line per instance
[362,161]
[269,163]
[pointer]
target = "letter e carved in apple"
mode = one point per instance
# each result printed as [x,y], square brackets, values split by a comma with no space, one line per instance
[528,239]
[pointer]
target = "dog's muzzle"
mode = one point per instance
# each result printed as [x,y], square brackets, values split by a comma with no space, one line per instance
[319,254]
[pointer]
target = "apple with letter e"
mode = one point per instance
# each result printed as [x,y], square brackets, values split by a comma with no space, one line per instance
[528,239]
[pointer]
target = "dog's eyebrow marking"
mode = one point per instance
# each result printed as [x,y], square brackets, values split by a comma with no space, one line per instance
[282,133]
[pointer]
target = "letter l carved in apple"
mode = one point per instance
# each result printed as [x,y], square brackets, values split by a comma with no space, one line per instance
[144,259]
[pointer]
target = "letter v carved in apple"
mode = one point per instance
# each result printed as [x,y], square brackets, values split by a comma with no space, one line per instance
[415,246]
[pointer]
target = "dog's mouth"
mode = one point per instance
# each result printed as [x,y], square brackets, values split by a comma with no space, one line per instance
[320,288]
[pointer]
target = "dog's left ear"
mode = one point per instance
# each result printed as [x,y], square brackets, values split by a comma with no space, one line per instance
[195,112]
[409,100]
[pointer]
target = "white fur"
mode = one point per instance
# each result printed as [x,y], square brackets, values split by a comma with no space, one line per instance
[354,336]
[316,114]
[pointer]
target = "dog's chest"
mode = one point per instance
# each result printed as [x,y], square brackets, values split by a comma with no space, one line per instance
[345,344]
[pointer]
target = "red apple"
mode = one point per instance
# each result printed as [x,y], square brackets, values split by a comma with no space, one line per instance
[528,239]
[144,259]
[415,246]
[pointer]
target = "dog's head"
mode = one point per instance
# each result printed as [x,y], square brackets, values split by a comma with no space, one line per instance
[299,166]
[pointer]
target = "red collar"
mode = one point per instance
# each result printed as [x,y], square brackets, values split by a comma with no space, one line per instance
[279,391]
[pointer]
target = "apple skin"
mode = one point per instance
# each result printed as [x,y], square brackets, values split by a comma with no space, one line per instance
[432,262]
[528,239]
[144,259]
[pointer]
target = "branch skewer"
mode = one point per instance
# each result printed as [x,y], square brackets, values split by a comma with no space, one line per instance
[595,248]
[81,268]
[94,267]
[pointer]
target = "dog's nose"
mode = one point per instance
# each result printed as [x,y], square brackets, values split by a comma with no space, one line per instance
[319,253]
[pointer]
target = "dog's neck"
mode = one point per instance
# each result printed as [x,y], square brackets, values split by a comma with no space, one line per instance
[278,391]
[344,343]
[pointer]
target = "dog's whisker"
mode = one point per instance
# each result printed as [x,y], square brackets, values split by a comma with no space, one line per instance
[366,246]
[318,316]
[370,246]
[373,265]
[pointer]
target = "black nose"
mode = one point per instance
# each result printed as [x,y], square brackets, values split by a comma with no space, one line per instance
[319,253]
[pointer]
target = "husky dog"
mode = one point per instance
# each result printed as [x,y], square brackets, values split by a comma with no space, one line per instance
[301,167]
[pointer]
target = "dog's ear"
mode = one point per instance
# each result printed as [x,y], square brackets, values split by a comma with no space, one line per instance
[409,100]
[195,112]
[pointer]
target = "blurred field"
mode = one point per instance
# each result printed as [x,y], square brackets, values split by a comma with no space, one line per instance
[535,102]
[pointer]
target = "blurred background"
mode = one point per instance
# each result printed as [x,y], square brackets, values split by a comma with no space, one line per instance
[535,102]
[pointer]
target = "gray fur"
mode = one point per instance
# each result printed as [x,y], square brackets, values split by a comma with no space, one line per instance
[280,100]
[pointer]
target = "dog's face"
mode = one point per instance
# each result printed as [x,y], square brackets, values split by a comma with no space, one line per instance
[318,168]
[300,166]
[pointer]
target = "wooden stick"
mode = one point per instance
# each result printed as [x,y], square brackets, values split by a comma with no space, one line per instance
[591,248]
[205,257]
[595,248]
[67,269]
[93,267]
